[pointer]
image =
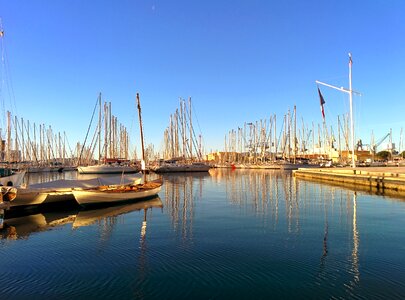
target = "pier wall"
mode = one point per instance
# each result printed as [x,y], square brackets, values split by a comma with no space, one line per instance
[374,178]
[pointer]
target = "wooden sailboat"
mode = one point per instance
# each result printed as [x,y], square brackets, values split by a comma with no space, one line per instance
[117,193]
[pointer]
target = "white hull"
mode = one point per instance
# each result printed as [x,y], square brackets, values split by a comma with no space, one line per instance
[13,180]
[107,169]
[61,190]
[94,196]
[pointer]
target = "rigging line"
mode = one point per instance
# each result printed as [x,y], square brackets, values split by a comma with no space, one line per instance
[10,83]
[49,132]
[7,72]
[88,129]
[2,73]
[279,137]
[31,143]
[93,145]
[67,141]
[195,114]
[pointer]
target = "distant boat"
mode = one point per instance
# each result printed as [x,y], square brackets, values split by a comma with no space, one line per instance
[116,193]
[107,169]
[115,144]
[174,166]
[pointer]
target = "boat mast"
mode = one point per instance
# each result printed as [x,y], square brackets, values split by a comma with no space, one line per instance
[141,132]
[191,129]
[8,137]
[351,108]
[350,92]
[99,128]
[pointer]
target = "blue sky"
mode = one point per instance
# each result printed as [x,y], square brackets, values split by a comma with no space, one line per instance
[239,61]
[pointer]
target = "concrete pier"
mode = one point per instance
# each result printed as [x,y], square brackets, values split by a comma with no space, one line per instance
[381,179]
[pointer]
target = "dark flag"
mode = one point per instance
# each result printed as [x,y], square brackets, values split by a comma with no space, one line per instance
[322,103]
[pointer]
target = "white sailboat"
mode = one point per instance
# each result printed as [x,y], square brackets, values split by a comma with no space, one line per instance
[108,168]
[112,162]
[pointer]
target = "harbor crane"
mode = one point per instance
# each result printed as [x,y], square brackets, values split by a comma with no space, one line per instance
[379,142]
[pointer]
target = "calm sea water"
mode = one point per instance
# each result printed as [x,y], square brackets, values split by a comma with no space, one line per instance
[224,235]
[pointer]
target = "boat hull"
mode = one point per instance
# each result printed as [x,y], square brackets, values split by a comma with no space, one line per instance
[88,197]
[13,180]
[182,168]
[107,169]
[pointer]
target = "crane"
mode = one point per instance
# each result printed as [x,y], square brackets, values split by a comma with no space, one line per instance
[379,142]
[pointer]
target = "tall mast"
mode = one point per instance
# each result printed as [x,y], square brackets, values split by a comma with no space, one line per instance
[141,132]
[340,148]
[8,136]
[350,92]
[351,108]
[191,130]
[105,129]
[295,133]
[99,128]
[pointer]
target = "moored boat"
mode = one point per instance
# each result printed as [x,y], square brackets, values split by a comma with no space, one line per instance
[107,169]
[61,190]
[9,177]
[116,193]
[169,167]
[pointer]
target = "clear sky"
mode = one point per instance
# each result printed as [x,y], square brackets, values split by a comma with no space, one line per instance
[239,61]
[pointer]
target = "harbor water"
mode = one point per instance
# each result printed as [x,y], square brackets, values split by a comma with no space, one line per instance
[226,234]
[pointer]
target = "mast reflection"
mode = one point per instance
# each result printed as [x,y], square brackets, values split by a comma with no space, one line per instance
[356,242]
[180,192]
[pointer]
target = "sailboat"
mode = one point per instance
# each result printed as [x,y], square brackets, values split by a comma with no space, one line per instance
[110,166]
[122,192]
[110,163]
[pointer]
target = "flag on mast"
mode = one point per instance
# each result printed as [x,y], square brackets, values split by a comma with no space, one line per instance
[322,103]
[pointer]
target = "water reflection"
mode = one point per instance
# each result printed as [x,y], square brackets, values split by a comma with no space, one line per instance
[180,191]
[356,243]
[263,191]
[281,202]
[20,224]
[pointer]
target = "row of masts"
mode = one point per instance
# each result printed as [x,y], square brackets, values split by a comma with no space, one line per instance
[25,142]
[180,140]
[111,138]
[260,141]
